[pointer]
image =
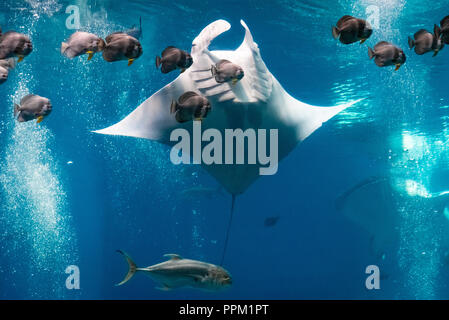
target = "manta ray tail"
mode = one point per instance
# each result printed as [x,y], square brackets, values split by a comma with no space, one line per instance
[132,268]
[228,230]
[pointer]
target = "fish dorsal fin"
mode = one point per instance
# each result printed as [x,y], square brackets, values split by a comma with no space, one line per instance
[222,62]
[382,43]
[187,96]
[173,256]
[27,97]
[421,32]
[213,30]
[9,63]
[167,50]
[345,18]
[436,32]
[444,21]
[111,37]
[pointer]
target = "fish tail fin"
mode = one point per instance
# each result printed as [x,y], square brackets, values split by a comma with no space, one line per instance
[64,46]
[411,42]
[11,63]
[213,69]
[158,61]
[437,31]
[371,53]
[173,107]
[132,268]
[16,109]
[101,45]
[335,32]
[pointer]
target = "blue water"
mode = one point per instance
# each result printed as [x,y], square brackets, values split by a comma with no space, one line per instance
[72,197]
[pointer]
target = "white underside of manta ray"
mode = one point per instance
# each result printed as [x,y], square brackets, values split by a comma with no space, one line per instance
[258,101]
[375,205]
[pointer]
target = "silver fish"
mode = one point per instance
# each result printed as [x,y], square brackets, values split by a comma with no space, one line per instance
[424,41]
[350,30]
[81,43]
[178,272]
[121,46]
[4,72]
[172,59]
[190,106]
[32,107]
[226,71]
[5,66]
[386,54]
[14,44]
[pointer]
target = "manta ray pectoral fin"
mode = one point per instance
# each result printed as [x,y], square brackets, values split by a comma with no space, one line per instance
[152,119]
[308,118]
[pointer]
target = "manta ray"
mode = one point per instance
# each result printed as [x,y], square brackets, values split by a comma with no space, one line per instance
[257,101]
[374,205]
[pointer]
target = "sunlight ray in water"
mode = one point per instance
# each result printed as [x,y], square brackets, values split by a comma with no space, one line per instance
[414,153]
[419,254]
